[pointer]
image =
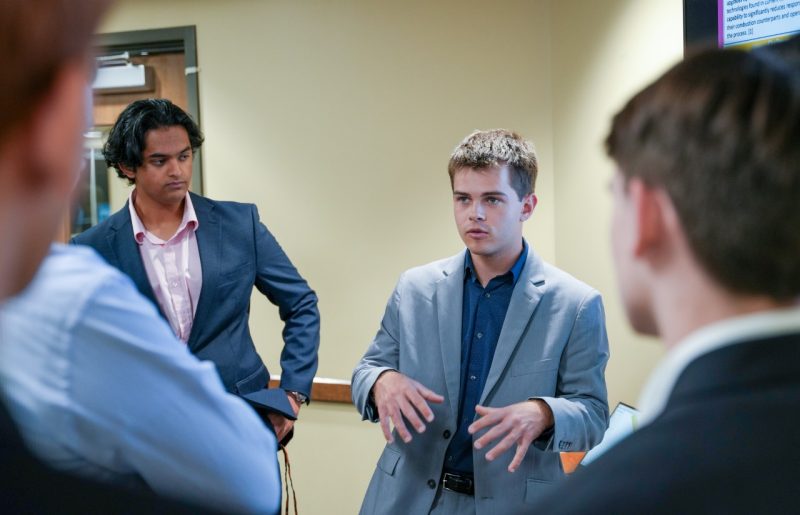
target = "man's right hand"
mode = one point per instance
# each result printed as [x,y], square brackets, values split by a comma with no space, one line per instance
[397,397]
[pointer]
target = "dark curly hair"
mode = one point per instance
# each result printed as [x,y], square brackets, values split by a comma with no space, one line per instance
[126,140]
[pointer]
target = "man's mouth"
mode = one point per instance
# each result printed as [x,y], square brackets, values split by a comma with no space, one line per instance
[477,233]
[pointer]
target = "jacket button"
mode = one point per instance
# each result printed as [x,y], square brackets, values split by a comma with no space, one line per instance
[431,484]
[446,433]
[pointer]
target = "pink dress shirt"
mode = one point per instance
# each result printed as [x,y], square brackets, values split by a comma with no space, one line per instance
[173,267]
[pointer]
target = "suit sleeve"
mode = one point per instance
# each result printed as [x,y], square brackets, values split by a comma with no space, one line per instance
[382,354]
[278,279]
[580,405]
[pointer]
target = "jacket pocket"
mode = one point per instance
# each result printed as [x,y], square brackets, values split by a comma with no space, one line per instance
[388,461]
[236,270]
[536,490]
[533,367]
[239,273]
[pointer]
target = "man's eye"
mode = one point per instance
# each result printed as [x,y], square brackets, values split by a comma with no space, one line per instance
[462,200]
[183,157]
[493,200]
[157,162]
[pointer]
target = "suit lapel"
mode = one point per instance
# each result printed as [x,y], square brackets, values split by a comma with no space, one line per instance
[524,299]
[448,301]
[128,255]
[209,245]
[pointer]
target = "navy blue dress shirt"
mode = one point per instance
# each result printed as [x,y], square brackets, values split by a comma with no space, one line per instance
[483,313]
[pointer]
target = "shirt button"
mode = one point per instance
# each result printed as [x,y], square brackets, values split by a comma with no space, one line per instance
[479,335]
[431,484]
[487,295]
[446,433]
[472,378]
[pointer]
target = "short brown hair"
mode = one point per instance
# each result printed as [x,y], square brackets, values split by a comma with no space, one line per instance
[720,133]
[37,37]
[498,147]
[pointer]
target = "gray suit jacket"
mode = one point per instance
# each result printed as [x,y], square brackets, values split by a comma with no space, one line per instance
[553,346]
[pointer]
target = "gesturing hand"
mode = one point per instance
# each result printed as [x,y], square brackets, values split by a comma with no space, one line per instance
[519,424]
[397,397]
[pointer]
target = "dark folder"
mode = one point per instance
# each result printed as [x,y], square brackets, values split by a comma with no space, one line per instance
[269,400]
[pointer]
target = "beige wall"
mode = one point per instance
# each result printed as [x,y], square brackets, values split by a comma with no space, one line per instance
[603,53]
[337,117]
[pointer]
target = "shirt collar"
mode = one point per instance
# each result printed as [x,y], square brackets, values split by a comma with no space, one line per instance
[721,334]
[140,231]
[516,269]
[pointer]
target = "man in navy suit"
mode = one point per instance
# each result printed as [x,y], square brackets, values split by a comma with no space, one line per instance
[198,259]
[706,245]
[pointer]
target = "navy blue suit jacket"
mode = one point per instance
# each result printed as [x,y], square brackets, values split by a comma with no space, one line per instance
[726,442]
[237,252]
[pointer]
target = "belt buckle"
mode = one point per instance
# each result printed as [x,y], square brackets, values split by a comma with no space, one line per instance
[458,484]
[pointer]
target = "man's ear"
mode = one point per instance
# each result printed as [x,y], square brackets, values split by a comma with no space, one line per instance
[130,173]
[528,205]
[649,212]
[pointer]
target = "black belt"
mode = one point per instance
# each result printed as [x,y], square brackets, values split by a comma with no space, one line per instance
[458,483]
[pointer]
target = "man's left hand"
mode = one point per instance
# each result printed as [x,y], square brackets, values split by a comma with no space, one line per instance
[518,424]
[281,424]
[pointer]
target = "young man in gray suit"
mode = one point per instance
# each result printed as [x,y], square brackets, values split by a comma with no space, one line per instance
[494,357]
[706,243]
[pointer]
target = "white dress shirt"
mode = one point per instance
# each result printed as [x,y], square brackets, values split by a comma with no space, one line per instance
[99,385]
[731,331]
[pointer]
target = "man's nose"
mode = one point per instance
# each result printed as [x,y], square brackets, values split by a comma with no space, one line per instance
[172,167]
[477,213]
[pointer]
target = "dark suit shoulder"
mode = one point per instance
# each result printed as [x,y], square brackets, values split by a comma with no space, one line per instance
[636,476]
[224,209]
[230,205]
[91,234]
[96,235]
[721,450]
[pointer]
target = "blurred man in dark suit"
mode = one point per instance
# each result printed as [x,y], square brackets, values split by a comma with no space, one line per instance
[706,245]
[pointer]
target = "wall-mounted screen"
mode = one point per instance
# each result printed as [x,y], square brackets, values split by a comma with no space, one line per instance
[741,23]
